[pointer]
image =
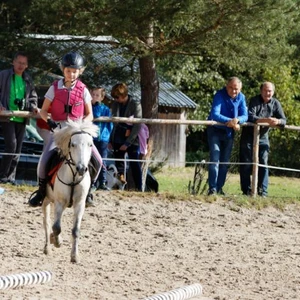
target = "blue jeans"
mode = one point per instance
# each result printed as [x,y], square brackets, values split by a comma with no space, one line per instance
[220,147]
[102,148]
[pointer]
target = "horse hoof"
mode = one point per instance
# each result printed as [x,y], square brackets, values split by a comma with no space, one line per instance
[47,250]
[55,240]
[52,238]
[74,259]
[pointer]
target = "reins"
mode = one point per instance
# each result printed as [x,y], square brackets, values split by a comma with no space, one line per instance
[70,162]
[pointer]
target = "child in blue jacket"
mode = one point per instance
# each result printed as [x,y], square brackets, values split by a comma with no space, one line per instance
[105,129]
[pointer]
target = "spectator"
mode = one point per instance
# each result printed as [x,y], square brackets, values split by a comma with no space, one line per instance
[105,129]
[124,137]
[69,99]
[17,92]
[229,108]
[263,108]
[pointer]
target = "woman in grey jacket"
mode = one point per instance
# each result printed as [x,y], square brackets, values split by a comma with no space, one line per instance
[124,137]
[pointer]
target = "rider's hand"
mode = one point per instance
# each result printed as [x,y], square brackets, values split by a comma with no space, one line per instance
[52,124]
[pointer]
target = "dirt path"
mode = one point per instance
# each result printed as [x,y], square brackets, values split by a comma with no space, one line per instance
[133,246]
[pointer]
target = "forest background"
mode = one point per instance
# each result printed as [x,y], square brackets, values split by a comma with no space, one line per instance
[195,44]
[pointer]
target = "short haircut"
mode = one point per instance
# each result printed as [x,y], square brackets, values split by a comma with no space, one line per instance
[20,53]
[267,83]
[102,90]
[119,89]
[234,78]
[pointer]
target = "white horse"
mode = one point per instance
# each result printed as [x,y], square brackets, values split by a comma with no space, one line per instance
[72,182]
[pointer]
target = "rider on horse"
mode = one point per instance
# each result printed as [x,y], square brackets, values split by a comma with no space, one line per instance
[69,98]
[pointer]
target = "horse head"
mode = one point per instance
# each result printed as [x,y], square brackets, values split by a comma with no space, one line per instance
[75,142]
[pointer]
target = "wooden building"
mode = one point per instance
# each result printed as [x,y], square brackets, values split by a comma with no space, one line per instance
[109,64]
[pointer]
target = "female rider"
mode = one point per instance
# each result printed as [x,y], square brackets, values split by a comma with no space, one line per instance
[69,99]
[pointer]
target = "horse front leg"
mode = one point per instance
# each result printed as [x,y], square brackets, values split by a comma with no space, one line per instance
[78,214]
[46,207]
[55,237]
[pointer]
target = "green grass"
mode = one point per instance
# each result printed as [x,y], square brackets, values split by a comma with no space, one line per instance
[174,183]
[282,190]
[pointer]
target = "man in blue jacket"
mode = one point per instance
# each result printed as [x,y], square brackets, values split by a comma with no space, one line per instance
[229,108]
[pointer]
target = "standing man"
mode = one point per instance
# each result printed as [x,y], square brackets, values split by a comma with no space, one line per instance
[263,108]
[17,92]
[229,108]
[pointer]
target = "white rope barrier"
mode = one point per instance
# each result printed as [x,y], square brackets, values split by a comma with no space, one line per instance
[16,280]
[183,293]
[162,161]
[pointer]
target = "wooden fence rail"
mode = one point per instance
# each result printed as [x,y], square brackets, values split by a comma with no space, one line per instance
[25,114]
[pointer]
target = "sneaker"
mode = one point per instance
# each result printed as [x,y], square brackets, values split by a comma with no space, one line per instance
[121,177]
[221,192]
[93,188]
[248,193]
[103,187]
[89,201]
[211,192]
[263,195]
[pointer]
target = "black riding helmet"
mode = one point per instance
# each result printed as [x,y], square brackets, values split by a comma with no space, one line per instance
[73,60]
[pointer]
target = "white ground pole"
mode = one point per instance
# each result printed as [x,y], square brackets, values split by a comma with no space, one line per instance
[16,280]
[182,293]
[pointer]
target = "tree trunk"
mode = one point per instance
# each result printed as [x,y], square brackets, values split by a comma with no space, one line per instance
[149,101]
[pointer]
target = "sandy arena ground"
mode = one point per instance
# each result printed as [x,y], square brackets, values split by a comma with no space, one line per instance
[137,245]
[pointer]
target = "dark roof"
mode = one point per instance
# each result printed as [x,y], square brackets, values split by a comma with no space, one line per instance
[105,52]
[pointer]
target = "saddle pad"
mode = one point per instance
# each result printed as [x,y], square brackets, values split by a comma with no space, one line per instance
[53,173]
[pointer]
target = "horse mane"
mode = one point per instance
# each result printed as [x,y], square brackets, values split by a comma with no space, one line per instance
[62,136]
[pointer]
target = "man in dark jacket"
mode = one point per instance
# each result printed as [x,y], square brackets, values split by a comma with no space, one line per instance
[124,137]
[17,92]
[263,108]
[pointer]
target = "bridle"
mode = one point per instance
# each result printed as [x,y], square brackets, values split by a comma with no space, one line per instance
[70,162]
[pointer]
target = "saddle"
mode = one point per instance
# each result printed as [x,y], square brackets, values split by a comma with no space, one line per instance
[55,161]
[53,166]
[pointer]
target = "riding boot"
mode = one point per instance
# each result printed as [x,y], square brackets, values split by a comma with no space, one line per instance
[37,198]
[89,198]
